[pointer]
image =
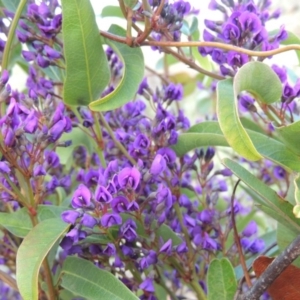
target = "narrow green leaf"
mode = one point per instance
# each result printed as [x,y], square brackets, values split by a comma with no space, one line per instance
[210,134]
[272,200]
[133,72]
[112,11]
[84,279]
[230,123]
[87,70]
[290,134]
[255,78]
[33,251]
[221,281]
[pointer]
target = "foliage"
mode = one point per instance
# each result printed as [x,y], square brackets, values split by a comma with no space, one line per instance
[110,189]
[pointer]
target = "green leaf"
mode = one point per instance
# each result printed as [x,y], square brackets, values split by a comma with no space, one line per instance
[284,237]
[209,134]
[256,78]
[274,205]
[130,3]
[297,188]
[84,279]
[290,134]
[18,223]
[11,5]
[230,123]
[221,281]
[160,292]
[87,70]
[112,11]
[33,251]
[133,72]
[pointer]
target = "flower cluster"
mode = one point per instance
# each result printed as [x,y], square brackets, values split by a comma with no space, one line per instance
[244,25]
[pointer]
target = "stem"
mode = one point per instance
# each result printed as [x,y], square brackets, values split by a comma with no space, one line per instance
[198,290]
[117,143]
[237,238]
[10,37]
[181,58]
[99,137]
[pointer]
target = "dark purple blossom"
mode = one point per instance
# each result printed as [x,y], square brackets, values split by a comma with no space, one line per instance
[81,197]
[111,219]
[70,216]
[129,178]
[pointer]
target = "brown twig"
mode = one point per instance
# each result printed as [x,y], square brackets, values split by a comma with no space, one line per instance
[280,263]
[237,238]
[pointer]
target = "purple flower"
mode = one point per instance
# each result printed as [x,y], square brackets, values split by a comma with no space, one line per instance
[250,22]
[31,123]
[39,170]
[42,62]
[147,285]
[166,247]
[102,195]
[4,168]
[279,173]
[70,216]
[88,221]
[235,59]
[81,197]
[129,178]
[4,77]
[250,229]
[111,219]
[51,53]
[29,55]
[119,204]
[109,250]
[128,230]
[254,247]
[231,32]
[158,165]
[205,216]
[281,72]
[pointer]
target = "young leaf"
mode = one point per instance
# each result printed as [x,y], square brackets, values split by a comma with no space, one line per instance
[133,72]
[33,251]
[256,78]
[84,279]
[87,71]
[272,200]
[221,281]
